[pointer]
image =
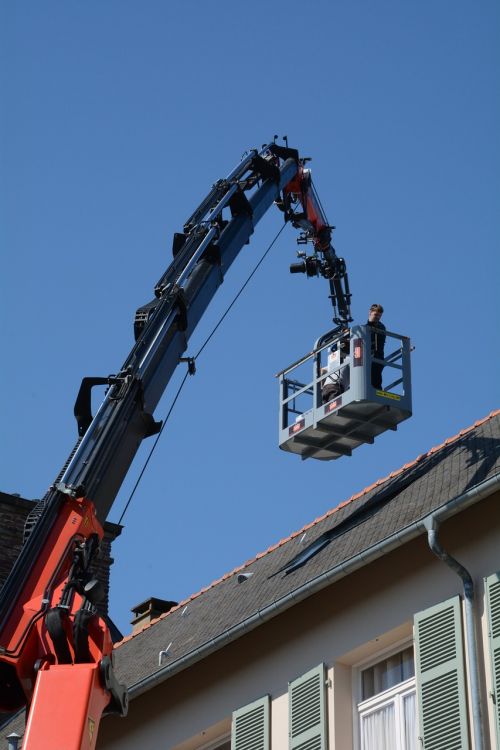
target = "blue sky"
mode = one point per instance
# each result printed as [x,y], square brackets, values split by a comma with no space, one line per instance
[117,117]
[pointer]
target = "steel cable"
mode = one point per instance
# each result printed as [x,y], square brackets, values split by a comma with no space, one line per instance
[219,322]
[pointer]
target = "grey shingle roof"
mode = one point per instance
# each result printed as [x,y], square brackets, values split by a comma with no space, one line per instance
[373,515]
[378,512]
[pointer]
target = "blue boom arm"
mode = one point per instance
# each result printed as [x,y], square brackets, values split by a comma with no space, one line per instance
[61,626]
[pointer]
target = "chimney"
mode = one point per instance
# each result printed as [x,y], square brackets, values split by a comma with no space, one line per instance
[149,610]
[14,511]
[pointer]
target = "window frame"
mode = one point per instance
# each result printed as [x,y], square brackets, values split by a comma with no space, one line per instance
[402,689]
[392,696]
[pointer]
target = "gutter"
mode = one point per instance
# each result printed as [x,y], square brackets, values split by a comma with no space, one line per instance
[398,539]
[470,627]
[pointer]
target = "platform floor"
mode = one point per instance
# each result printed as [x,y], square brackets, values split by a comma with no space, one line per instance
[342,428]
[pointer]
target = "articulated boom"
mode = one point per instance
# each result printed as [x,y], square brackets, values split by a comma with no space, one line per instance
[55,650]
[316,230]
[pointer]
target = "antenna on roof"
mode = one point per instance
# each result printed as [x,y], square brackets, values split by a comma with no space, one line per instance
[164,653]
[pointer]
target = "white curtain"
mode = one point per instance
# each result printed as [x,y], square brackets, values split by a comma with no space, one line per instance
[378,730]
[410,721]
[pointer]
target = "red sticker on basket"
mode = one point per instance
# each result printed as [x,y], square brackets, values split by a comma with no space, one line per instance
[333,405]
[296,427]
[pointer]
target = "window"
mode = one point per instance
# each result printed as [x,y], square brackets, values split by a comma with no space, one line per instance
[387,710]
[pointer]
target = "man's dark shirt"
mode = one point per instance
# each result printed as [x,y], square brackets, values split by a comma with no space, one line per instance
[377,339]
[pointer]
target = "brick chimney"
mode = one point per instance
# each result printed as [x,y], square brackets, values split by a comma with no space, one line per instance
[149,610]
[13,513]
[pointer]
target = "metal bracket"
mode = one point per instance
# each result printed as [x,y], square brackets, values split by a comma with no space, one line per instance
[182,317]
[266,169]
[284,152]
[191,363]
[239,204]
[69,489]
[83,406]
[119,696]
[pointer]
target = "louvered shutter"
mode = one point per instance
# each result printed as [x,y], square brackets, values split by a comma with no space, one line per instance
[250,726]
[493,607]
[306,711]
[440,677]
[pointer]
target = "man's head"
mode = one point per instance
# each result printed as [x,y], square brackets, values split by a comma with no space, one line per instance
[375,313]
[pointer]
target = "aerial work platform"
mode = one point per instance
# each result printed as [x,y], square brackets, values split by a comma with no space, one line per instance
[356,412]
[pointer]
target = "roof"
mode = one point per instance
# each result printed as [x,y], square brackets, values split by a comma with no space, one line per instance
[376,514]
[380,511]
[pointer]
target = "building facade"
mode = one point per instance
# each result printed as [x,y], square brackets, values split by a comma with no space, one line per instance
[375,627]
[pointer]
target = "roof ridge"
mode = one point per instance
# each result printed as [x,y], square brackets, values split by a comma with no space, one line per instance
[328,513]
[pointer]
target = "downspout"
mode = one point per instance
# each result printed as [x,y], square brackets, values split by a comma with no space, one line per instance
[432,525]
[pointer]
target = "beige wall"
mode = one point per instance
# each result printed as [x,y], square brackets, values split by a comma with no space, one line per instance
[340,626]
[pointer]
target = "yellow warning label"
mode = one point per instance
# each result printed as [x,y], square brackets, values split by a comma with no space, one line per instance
[386,394]
[91,729]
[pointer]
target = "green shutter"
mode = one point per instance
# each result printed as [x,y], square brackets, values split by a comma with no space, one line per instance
[440,677]
[250,727]
[306,711]
[493,607]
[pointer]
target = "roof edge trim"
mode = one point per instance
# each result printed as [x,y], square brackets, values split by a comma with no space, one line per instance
[447,510]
